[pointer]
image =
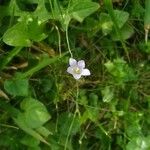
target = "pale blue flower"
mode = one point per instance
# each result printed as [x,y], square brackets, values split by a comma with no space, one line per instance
[77,69]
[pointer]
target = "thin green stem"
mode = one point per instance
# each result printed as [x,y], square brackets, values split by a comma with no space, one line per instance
[13,11]
[56,128]
[102,129]
[59,39]
[75,113]
[70,128]
[9,57]
[51,6]
[77,96]
[68,44]
[9,126]
[146,35]
[83,134]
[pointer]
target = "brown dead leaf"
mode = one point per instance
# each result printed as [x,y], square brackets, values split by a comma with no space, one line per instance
[2,94]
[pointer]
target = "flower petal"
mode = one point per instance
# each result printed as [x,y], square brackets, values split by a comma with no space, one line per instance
[81,64]
[72,62]
[86,72]
[70,70]
[77,76]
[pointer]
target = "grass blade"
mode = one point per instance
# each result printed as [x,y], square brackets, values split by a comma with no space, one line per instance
[147,19]
[45,62]
[9,57]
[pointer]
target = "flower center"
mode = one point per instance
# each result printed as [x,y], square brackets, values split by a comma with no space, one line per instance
[77,70]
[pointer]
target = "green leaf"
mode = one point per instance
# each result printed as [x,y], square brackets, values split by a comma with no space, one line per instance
[145,47]
[35,30]
[22,124]
[139,143]
[93,99]
[92,113]
[41,12]
[120,70]
[121,17]
[17,35]
[15,10]
[134,129]
[43,131]
[35,113]
[17,87]
[137,9]
[106,23]
[83,100]
[76,10]
[28,29]
[30,141]
[126,32]
[80,10]
[108,94]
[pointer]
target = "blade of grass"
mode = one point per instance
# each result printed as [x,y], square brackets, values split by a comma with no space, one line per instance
[45,62]
[30,131]
[109,7]
[12,111]
[9,57]
[147,19]
[13,5]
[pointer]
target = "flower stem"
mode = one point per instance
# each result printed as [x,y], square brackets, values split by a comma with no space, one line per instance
[76,111]
[70,128]
[77,96]
[68,44]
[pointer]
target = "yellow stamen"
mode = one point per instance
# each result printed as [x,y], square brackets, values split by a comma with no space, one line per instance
[77,70]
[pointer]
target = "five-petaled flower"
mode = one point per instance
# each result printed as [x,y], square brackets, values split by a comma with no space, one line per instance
[77,69]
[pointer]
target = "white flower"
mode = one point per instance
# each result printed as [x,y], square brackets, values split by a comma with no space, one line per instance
[77,69]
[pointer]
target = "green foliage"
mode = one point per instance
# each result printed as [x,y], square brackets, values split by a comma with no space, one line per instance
[147,17]
[139,143]
[64,124]
[17,87]
[33,117]
[5,60]
[120,71]
[121,17]
[30,141]
[80,11]
[25,31]
[42,107]
[34,111]
[106,23]
[75,10]
[108,94]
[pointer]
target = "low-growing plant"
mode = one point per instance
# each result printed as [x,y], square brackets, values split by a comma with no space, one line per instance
[74,75]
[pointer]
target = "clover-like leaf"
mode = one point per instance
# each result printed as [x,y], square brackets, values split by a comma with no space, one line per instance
[35,113]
